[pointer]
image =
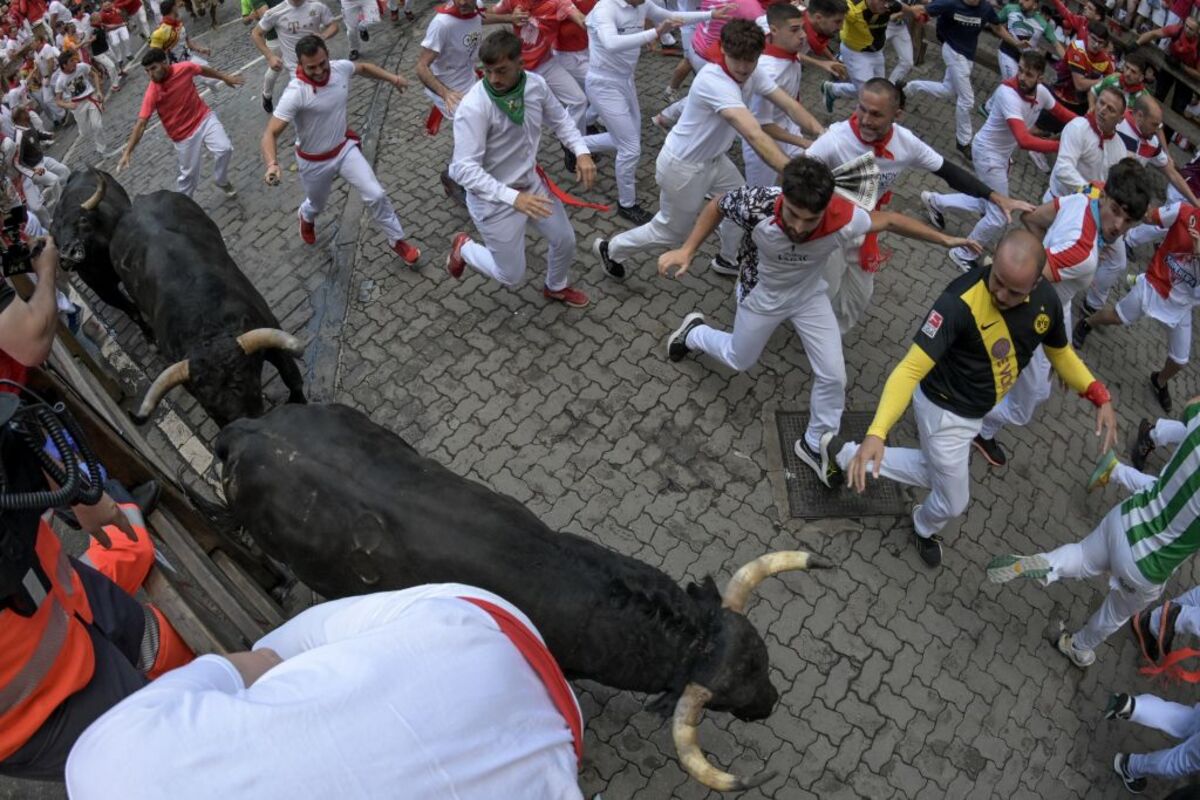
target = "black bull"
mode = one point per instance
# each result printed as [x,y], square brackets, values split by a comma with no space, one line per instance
[352,508]
[203,313]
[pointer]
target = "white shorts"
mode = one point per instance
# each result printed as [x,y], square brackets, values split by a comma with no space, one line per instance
[1143,300]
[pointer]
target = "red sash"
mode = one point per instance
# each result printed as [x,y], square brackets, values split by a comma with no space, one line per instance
[351,136]
[870,255]
[568,199]
[433,123]
[543,664]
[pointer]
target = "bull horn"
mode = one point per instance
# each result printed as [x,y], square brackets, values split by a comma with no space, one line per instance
[167,380]
[269,338]
[94,201]
[747,579]
[685,732]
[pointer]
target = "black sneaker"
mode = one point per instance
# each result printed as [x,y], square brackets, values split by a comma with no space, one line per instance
[614,269]
[723,267]
[1161,391]
[821,461]
[929,548]
[569,160]
[1121,765]
[635,214]
[362,34]
[145,496]
[677,342]
[991,450]
[1120,706]
[1147,642]
[1166,627]
[964,150]
[1079,335]
[1085,310]
[595,129]
[268,104]
[1143,445]
[353,55]
[453,190]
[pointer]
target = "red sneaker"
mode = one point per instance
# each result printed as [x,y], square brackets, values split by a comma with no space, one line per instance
[308,231]
[572,297]
[406,251]
[454,261]
[395,15]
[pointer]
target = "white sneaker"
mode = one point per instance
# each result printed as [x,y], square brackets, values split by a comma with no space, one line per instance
[228,189]
[964,264]
[671,93]
[929,200]
[1080,658]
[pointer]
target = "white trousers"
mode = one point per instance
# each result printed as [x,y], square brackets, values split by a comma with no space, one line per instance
[862,67]
[317,179]
[817,328]
[565,88]
[42,191]
[575,62]
[899,38]
[1104,551]
[119,44]
[1177,721]
[1111,269]
[270,76]
[502,254]
[616,101]
[209,136]
[1030,391]
[52,109]
[1132,307]
[140,16]
[91,124]
[850,286]
[955,85]
[940,465]
[992,222]
[353,12]
[759,172]
[682,187]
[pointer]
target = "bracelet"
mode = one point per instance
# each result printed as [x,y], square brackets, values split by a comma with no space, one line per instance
[273,164]
[1097,394]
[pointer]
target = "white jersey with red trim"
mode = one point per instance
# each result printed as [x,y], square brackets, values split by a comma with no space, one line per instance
[318,112]
[1174,272]
[840,144]
[1073,245]
[995,139]
[1147,150]
[416,693]
[776,272]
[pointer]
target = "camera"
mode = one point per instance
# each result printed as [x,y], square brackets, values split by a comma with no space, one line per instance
[17,254]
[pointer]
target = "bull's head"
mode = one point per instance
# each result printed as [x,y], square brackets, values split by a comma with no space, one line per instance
[73,249]
[734,677]
[226,382]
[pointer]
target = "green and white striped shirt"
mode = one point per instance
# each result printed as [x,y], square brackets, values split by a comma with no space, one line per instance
[1162,522]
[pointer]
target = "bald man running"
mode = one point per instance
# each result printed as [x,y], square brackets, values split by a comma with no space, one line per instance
[974,342]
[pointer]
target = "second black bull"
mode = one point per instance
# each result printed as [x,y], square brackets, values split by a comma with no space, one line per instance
[188,295]
[352,508]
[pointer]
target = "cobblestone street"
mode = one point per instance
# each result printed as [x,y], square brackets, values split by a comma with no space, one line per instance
[895,680]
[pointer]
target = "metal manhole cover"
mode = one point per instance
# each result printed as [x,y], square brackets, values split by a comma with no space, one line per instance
[808,498]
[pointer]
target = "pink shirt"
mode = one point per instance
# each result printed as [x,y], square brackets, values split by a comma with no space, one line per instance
[708,34]
[178,104]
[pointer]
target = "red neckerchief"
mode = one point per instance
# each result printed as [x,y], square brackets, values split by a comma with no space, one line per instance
[305,79]
[880,147]
[1137,87]
[1028,98]
[453,11]
[835,217]
[778,52]
[817,42]
[1091,118]
[174,23]
[720,62]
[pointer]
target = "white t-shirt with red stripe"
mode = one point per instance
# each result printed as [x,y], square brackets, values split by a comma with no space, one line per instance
[1174,272]
[1073,245]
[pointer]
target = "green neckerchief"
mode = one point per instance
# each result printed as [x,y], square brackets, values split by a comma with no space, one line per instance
[512,102]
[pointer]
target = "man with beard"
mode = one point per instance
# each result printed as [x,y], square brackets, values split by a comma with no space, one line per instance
[788,235]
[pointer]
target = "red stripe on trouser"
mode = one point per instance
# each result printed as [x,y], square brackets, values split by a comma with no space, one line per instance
[543,664]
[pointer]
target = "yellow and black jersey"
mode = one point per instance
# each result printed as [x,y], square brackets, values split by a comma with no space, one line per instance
[864,30]
[977,349]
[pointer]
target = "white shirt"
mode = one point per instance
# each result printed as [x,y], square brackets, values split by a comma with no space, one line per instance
[701,134]
[1072,246]
[1146,151]
[1082,158]
[995,138]
[617,32]
[778,274]
[456,42]
[291,23]
[18,96]
[319,113]
[415,694]
[494,158]
[784,73]
[58,12]
[75,85]
[839,144]
[47,59]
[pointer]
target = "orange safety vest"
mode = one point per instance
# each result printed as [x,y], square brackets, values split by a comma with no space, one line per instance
[47,657]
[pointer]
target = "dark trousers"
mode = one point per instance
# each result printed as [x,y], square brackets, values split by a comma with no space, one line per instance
[116,633]
[1181,99]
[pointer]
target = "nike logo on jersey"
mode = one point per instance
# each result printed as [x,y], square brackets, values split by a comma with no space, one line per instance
[985,327]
